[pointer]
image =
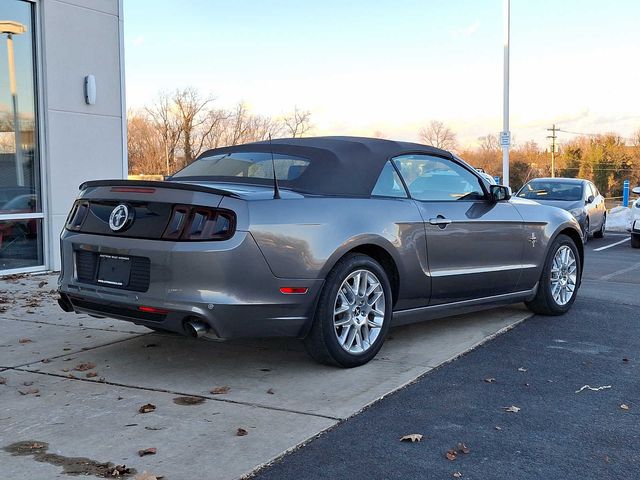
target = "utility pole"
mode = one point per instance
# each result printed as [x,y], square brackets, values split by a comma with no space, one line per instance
[553,137]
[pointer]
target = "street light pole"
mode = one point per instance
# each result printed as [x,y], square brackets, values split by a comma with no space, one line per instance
[505,137]
[11,29]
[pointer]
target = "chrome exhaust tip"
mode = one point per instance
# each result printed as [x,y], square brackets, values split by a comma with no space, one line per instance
[195,328]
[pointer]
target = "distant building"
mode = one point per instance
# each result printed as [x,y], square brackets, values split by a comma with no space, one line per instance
[65,90]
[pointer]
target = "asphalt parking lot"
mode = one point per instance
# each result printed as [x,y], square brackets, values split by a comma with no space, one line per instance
[540,367]
[77,383]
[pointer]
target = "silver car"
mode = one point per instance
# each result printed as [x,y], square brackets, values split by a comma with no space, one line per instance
[579,197]
[329,239]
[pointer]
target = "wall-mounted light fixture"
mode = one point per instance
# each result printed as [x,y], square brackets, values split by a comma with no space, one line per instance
[90,90]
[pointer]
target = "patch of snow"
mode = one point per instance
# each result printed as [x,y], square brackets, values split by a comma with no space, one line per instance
[619,219]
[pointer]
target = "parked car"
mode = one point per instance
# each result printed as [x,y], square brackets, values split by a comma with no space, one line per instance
[634,227]
[488,178]
[330,239]
[579,197]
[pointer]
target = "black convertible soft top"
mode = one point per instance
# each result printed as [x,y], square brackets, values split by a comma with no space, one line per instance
[338,165]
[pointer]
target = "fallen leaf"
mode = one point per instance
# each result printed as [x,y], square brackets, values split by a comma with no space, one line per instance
[3,381]
[412,437]
[150,345]
[29,391]
[268,369]
[149,407]
[270,391]
[46,360]
[82,367]
[462,448]
[607,459]
[147,451]
[220,390]
[119,470]
[451,455]
[498,428]
[490,380]
[457,474]
[521,369]
[25,340]
[625,359]
[153,429]
[241,432]
[624,406]
[65,369]
[42,284]
[91,374]
[27,384]
[512,409]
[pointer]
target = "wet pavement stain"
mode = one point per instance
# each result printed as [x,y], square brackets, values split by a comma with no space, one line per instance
[188,400]
[70,465]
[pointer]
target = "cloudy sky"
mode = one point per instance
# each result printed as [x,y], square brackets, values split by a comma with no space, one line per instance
[364,66]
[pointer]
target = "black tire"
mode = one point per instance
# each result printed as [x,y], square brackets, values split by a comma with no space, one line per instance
[600,233]
[635,240]
[544,303]
[322,342]
[585,233]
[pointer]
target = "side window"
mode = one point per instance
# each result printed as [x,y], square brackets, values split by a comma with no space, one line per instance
[594,190]
[389,183]
[435,178]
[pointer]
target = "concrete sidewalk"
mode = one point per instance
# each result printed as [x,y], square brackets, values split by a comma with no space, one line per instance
[275,393]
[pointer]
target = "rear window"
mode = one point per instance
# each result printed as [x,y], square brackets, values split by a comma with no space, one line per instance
[239,166]
[552,190]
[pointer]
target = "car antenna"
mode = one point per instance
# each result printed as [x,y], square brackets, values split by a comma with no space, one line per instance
[276,190]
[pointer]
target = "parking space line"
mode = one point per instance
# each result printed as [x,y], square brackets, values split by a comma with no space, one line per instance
[620,272]
[612,245]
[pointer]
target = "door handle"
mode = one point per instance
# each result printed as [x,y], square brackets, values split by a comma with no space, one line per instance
[440,221]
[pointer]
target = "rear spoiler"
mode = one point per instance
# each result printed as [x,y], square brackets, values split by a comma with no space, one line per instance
[156,184]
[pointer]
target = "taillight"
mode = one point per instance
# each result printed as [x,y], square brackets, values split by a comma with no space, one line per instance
[200,223]
[77,215]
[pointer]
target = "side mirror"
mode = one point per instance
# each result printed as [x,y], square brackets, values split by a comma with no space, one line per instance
[636,190]
[499,193]
[590,199]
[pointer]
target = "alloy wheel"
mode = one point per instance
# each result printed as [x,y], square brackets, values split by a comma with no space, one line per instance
[359,311]
[564,275]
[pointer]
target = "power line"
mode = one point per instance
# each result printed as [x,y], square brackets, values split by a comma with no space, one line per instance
[578,133]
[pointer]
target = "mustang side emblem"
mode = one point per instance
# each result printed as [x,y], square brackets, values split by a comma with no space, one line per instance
[120,217]
[533,239]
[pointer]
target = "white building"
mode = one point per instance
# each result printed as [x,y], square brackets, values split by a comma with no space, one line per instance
[65,135]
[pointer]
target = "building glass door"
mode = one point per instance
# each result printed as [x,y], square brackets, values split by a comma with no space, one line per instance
[21,212]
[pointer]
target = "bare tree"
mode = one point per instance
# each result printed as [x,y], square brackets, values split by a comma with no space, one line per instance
[489,143]
[168,124]
[145,145]
[635,138]
[191,108]
[297,123]
[437,134]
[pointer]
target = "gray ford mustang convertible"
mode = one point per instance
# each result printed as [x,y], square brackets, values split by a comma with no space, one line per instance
[330,239]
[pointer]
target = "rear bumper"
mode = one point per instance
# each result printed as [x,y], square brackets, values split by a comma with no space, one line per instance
[227,285]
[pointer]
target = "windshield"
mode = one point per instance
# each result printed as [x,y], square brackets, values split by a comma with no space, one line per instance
[245,166]
[552,190]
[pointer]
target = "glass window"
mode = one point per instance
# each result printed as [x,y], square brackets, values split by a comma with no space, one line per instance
[552,190]
[247,165]
[21,233]
[439,179]
[389,183]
